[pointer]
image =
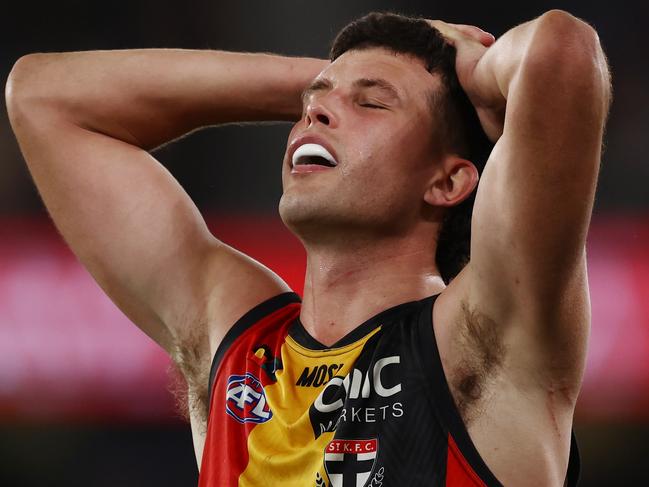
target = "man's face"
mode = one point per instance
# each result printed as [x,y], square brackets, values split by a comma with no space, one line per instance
[370,111]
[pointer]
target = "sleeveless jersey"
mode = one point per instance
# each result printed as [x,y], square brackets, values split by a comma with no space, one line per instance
[372,410]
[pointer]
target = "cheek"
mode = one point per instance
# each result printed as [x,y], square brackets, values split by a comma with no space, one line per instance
[390,165]
[391,151]
[370,148]
[378,177]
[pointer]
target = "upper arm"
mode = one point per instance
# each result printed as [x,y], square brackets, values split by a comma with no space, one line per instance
[135,229]
[535,197]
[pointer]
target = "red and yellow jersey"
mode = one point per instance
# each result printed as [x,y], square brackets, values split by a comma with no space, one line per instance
[372,410]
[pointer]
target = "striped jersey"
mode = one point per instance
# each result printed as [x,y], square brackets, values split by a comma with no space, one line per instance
[372,410]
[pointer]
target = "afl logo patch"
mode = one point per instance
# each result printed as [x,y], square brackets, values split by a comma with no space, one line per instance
[245,399]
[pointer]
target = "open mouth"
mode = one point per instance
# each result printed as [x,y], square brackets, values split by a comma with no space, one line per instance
[313,154]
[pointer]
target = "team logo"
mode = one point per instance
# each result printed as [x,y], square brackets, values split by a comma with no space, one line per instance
[349,463]
[245,399]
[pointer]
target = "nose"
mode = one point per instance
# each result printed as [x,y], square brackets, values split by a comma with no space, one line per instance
[317,113]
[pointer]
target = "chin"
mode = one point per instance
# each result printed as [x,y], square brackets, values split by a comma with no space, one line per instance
[314,222]
[301,215]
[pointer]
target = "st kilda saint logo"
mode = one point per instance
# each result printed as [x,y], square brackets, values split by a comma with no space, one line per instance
[349,463]
[246,400]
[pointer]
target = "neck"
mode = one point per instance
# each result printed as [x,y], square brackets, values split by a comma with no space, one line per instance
[346,285]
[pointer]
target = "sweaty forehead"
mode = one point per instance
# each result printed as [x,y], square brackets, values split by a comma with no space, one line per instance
[406,72]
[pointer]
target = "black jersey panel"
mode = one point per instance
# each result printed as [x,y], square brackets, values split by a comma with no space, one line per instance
[443,399]
[412,443]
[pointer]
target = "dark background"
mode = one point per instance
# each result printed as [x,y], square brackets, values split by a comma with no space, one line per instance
[215,166]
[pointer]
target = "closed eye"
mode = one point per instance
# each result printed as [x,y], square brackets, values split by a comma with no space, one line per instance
[372,105]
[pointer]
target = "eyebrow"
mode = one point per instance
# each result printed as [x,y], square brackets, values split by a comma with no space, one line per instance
[380,83]
[321,84]
[324,84]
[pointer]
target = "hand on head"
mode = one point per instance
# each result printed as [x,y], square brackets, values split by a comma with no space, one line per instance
[458,32]
[471,44]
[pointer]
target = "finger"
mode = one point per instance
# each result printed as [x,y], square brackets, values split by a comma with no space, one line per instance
[483,37]
[447,30]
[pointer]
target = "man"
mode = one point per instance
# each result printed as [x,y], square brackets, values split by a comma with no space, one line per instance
[393,369]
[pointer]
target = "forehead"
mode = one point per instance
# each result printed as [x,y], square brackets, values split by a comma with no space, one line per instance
[406,72]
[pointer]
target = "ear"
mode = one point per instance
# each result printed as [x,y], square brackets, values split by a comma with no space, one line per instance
[452,183]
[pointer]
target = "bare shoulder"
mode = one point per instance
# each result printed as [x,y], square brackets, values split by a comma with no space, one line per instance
[230,284]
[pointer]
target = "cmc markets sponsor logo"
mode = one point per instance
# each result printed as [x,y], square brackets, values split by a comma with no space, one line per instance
[350,462]
[246,400]
[340,397]
[318,375]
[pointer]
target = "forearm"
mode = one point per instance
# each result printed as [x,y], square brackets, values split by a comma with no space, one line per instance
[553,51]
[148,97]
[538,186]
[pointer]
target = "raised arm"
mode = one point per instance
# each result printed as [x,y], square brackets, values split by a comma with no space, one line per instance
[84,122]
[542,91]
[516,319]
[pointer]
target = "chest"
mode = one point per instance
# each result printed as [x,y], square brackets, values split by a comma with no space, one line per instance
[297,415]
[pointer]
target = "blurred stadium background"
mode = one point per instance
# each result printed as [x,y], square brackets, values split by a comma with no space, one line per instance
[84,395]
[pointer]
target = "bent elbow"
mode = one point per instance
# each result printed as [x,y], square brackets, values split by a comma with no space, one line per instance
[26,84]
[558,28]
[566,50]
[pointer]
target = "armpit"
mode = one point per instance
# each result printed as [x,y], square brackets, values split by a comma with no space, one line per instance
[189,377]
[481,351]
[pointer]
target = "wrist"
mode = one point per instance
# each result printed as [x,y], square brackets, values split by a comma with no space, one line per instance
[300,72]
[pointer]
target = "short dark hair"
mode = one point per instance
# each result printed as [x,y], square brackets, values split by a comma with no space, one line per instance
[458,129]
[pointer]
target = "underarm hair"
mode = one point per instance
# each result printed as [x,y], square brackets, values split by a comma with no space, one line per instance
[189,375]
[480,340]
